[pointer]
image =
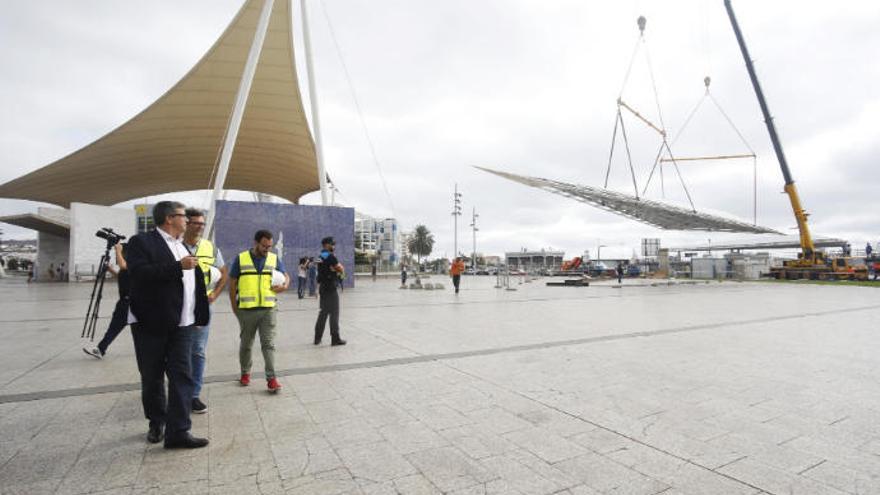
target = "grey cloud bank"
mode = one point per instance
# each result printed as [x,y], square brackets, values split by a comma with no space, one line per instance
[524,86]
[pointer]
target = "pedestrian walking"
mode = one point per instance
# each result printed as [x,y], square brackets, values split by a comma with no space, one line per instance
[403,275]
[209,256]
[456,270]
[168,298]
[252,294]
[620,273]
[373,271]
[301,274]
[119,320]
[330,272]
[313,277]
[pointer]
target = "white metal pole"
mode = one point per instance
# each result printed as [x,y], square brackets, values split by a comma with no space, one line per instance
[313,100]
[474,226]
[244,89]
[455,214]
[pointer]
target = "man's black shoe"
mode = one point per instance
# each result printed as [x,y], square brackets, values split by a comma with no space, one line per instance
[199,407]
[156,433]
[185,441]
[338,342]
[317,341]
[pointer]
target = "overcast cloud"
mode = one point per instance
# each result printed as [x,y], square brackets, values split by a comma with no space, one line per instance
[523,86]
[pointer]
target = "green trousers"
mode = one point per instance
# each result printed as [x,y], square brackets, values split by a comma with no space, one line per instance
[250,321]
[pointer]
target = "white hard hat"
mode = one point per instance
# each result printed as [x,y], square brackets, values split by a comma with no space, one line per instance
[278,278]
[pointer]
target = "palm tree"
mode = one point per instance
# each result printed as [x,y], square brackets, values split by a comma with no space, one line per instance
[421,243]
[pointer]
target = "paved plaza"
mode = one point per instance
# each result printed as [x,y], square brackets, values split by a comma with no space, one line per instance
[710,388]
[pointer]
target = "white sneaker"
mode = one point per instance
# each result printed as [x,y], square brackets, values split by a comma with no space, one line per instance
[94,352]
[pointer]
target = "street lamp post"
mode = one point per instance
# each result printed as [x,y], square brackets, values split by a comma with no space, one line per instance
[475,229]
[456,212]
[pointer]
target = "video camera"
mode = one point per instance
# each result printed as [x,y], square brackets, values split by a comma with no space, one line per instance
[111,237]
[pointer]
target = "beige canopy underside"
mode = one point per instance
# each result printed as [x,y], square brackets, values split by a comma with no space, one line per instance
[174,144]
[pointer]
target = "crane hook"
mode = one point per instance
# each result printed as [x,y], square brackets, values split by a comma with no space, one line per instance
[642,21]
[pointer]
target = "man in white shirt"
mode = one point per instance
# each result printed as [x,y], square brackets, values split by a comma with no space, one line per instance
[168,299]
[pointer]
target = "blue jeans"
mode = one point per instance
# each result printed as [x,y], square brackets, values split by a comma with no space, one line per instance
[301,287]
[197,357]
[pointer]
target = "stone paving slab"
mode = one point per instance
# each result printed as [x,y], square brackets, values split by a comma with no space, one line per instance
[687,389]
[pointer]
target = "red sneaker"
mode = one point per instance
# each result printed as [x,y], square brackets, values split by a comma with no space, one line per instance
[273,385]
[245,379]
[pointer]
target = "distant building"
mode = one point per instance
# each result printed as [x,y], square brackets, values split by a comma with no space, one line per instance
[144,214]
[534,260]
[404,246]
[380,237]
[492,260]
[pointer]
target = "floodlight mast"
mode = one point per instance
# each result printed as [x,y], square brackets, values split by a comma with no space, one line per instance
[809,255]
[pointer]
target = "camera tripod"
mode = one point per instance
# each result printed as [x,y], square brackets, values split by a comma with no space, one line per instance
[97,291]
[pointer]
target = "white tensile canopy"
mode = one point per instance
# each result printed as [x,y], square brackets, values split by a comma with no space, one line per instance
[174,144]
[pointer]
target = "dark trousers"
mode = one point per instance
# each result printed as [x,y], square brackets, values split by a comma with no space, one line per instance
[329,302]
[117,323]
[160,352]
[456,280]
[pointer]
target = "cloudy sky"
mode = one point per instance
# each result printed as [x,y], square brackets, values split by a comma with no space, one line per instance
[526,86]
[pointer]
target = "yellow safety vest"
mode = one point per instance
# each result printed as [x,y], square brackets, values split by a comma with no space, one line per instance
[255,288]
[205,254]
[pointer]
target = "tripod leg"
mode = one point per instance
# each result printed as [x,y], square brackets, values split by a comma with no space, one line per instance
[101,269]
[94,323]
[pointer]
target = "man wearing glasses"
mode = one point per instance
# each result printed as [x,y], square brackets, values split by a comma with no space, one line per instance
[209,256]
[168,300]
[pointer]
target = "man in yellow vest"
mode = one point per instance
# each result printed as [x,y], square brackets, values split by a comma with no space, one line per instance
[252,295]
[208,256]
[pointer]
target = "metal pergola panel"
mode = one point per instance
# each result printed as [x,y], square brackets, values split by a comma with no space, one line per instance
[655,213]
[791,242]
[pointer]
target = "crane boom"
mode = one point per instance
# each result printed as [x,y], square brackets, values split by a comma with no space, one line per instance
[809,254]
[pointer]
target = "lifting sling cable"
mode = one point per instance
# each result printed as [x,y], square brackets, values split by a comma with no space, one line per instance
[654,87]
[708,95]
[357,106]
[661,129]
[618,120]
[611,154]
[663,126]
[632,60]
[629,156]
[657,160]
[658,163]
[680,178]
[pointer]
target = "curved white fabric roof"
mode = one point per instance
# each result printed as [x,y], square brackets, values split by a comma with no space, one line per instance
[174,144]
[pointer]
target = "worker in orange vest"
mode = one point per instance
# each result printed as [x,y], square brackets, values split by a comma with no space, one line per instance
[456,270]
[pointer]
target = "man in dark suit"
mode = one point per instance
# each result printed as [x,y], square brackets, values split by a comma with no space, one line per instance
[168,299]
